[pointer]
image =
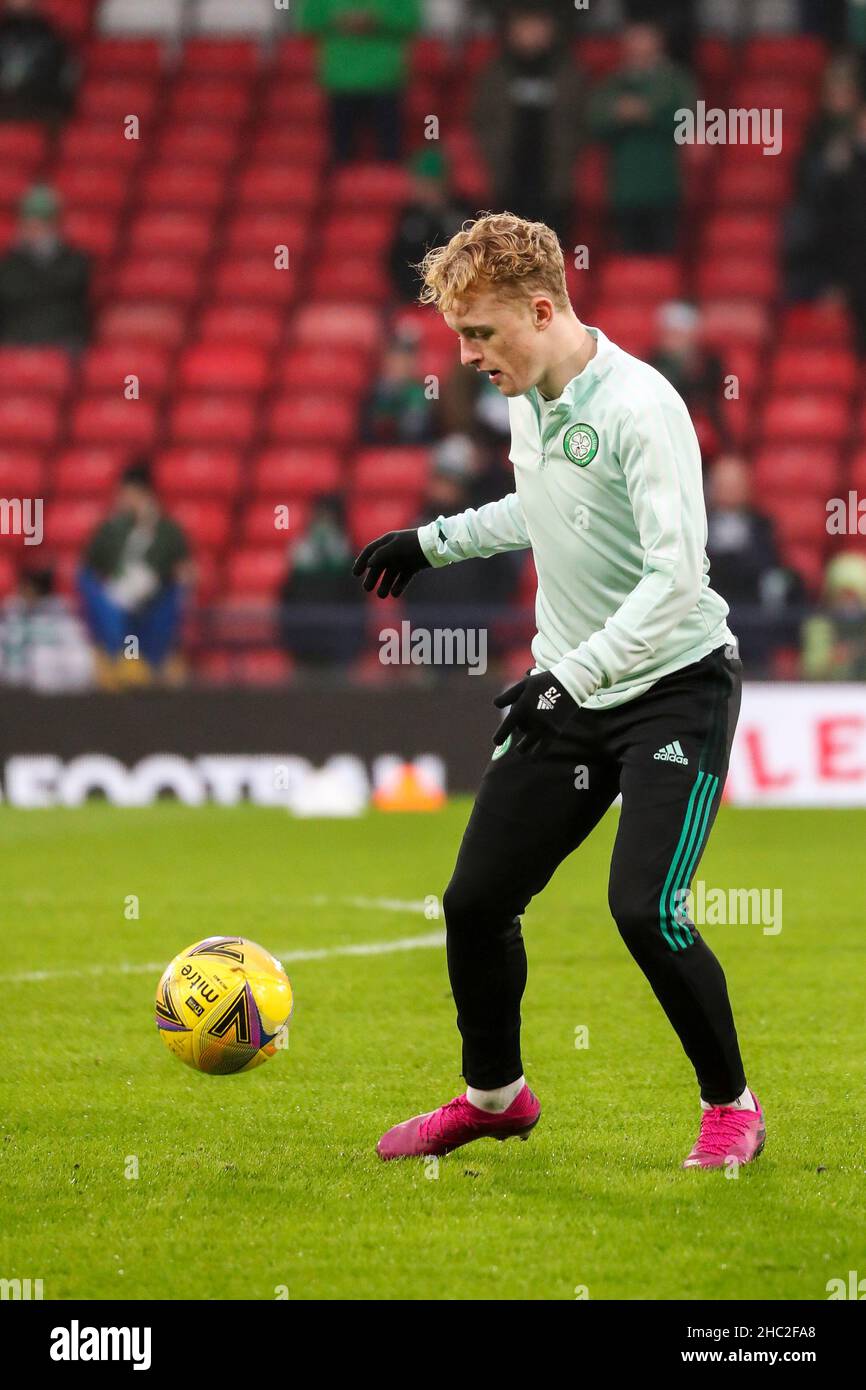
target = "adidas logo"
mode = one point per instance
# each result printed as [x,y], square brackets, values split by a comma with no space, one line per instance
[671,753]
[549,698]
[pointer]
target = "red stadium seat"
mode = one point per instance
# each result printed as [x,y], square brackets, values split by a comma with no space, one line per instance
[34,369]
[14,182]
[817,324]
[306,147]
[93,185]
[799,417]
[213,419]
[257,324]
[224,367]
[260,230]
[113,97]
[369,518]
[639,278]
[29,419]
[257,571]
[799,520]
[171,231]
[295,57]
[857,477]
[88,471]
[733,277]
[142,322]
[214,145]
[106,366]
[198,186]
[811,368]
[278,185]
[357,327]
[726,320]
[22,472]
[187,471]
[297,103]
[70,521]
[305,418]
[90,142]
[371,186]
[307,472]
[256,279]
[220,57]
[166,278]
[362,232]
[762,183]
[391,472]
[631,327]
[206,523]
[110,419]
[796,55]
[223,100]
[796,468]
[263,521]
[136,57]
[23,143]
[351,278]
[317,369]
[741,233]
[93,230]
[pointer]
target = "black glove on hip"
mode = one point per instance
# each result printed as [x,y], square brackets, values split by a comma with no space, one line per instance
[540,709]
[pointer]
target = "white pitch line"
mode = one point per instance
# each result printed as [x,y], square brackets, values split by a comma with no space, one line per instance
[361,948]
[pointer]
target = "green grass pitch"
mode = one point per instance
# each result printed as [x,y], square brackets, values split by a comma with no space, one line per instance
[255,1185]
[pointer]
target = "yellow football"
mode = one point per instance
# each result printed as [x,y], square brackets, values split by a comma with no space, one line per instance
[223,1005]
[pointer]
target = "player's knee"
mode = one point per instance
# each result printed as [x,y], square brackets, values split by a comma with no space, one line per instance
[628,910]
[472,905]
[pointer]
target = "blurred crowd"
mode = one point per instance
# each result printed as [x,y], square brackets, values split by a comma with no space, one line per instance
[532,108]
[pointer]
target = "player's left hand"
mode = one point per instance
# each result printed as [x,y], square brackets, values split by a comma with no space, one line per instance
[540,709]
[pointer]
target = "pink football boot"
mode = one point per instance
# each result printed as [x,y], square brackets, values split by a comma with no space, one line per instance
[457,1123]
[728,1133]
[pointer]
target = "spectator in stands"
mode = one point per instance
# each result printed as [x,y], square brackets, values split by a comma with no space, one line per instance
[695,372]
[471,408]
[430,218]
[527,117]
[131,584]
[809,252]
[633,113]
[741,542]
[43,645]
[834,641]
[362,66]
[745,567]
[37,71]
[844,192]
[44,282]
[400,409]
[451,599]
[321,605]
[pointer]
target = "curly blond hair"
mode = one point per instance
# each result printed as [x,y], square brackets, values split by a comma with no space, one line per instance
[497,250]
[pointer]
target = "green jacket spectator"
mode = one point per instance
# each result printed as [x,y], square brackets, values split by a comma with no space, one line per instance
[363,45]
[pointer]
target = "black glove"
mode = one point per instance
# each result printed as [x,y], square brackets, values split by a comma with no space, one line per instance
[398,554]
[540,708]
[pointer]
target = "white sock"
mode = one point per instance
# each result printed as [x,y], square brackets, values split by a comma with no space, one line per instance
[743,1102]
[498,1100]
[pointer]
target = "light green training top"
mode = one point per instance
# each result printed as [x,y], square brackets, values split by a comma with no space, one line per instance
[609,497]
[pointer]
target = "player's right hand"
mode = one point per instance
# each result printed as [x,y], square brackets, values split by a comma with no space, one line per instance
[395,557]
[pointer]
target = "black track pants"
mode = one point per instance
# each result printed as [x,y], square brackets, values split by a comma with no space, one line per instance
[667,753]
